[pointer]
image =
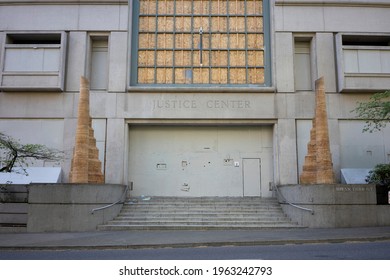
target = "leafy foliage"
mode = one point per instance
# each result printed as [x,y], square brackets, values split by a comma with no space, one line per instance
[379,175]
[376,111]
[15,153]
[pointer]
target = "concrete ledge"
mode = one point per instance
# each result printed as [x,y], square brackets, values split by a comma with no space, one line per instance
[334,205]
[68,207]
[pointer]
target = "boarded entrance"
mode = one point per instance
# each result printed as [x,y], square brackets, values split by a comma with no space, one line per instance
[200,160]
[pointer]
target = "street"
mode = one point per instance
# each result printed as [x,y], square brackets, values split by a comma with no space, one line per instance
[327,251]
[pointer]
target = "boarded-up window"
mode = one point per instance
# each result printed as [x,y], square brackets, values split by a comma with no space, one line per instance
[199,42]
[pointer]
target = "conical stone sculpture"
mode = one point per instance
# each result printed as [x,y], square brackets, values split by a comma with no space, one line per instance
[318,166]
[86,166]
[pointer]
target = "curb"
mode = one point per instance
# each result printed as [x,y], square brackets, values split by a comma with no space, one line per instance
[200,244]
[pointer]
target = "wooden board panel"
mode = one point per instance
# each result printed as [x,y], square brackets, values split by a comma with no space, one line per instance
[219,75]
[255,7]
[205,58]
[165,41]
[219,58]
[147,24]
[183,58]
[183,41]
[166,7]
[237,58]
[256,76]
[201,75]
[219,24]
[255,24]
[183,24]
[237,7]
[146,41]
[255,58]
[237,41]
[164,58]
[255,41]
[164,76]
[146,58]
[146,75]
[238,75]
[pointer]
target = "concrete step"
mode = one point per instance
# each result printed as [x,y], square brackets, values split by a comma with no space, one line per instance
[195,227]
[199,213]
[200,218]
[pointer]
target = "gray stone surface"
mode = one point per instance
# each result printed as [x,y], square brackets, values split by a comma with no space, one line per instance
[354,175]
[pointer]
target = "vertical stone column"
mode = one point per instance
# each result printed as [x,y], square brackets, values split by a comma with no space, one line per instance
[86,167]
[318,166]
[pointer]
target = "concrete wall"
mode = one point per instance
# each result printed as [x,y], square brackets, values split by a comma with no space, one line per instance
[334,205]
[281,104]
[13,208]
[68,207]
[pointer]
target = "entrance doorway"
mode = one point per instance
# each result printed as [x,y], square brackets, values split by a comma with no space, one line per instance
[251,174]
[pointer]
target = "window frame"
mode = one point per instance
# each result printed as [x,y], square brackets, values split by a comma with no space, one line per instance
[360,81]
[26,80]
[133,84]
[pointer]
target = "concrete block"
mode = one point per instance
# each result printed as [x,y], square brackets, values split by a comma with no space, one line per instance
[284,62]
[354,175]
[114,150]
[32,175]
[335,205]
[118,62]
[69,207]
[324,60]
[287,151]
[76,65]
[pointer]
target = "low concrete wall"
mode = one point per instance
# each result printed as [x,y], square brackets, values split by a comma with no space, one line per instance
[13,207]
[68,207]
[334,205]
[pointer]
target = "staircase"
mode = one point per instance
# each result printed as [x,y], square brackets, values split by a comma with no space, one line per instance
[199,213]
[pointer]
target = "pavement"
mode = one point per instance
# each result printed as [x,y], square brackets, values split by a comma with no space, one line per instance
[187,238]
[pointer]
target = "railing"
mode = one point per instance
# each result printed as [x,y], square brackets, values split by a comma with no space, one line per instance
[292,204]
[112,204]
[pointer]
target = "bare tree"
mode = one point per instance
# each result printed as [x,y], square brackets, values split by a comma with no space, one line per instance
[15,153]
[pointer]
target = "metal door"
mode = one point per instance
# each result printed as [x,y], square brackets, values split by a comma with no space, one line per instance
[251,176]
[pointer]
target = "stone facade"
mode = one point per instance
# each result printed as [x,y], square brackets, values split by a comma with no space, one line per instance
[50,117]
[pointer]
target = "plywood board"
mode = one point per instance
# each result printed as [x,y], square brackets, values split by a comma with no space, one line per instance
[255,75]
[255,58]
[146,75]
[183,41]
[146,58]
[201,75]
[255,41]
[219,75]
[147,24]
[146,41]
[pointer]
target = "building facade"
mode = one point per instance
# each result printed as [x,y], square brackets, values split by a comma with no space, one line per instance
[195,98]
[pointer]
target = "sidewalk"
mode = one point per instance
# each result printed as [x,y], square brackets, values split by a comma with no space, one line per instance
[160,239]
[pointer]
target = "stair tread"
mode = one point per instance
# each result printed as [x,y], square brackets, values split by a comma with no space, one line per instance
[199,212]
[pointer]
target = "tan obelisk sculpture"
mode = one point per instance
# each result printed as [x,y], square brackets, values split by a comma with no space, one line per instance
[86,166]
[318,166]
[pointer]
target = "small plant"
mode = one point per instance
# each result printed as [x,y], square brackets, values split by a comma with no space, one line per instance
[379,175]
[376,111]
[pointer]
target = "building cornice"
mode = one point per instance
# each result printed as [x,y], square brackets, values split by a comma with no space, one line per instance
[334,3]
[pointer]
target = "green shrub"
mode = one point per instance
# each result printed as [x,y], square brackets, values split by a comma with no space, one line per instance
[379,175]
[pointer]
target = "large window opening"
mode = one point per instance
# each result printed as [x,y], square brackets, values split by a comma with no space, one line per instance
[203,42]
